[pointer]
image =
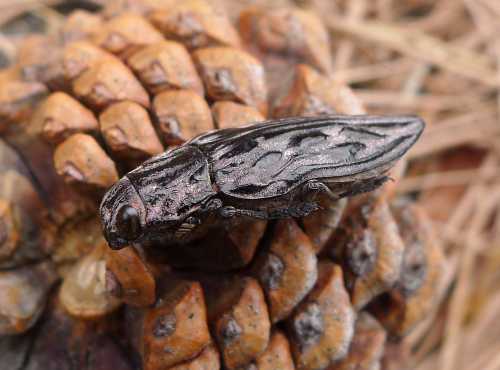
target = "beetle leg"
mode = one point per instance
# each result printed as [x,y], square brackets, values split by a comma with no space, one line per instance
[230,211]
[212,204]
[227,212]
[366,186]
[179,233]
[316,186]
[187,226]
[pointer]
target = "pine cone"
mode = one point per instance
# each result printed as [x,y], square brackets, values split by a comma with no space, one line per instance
[114,88]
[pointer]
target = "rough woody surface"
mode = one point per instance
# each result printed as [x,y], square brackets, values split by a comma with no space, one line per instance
[80,159]
[128,131]
[322,327]
[288,271]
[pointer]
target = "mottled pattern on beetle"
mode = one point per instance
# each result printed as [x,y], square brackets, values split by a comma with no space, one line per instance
[272,158]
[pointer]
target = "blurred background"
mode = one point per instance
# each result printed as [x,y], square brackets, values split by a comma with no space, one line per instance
[439,59]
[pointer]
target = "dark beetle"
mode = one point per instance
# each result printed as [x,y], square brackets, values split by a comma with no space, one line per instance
[270,170]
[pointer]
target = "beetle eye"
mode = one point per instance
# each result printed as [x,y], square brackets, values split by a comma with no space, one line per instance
[128,223]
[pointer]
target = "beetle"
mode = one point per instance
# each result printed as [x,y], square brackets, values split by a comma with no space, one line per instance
[270,170]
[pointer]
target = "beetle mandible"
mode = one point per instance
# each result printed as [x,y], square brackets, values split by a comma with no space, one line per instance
[268,170]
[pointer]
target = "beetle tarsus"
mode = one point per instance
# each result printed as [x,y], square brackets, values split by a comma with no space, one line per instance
[316,187]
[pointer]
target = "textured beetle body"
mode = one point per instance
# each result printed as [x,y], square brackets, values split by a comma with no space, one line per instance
[269,170]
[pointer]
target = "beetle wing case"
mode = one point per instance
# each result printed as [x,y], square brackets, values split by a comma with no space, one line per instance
[272,158]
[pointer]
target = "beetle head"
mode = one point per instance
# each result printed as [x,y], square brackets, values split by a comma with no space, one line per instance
[174,188]
[122,214]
